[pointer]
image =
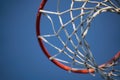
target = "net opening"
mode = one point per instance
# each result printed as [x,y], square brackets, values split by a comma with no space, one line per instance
[73,51]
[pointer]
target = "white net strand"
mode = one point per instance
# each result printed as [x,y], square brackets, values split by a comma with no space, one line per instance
[111,71]
[80,53]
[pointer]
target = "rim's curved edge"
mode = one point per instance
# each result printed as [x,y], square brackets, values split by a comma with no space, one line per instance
[67,68]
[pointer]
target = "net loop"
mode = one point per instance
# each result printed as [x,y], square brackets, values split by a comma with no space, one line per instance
[71,35]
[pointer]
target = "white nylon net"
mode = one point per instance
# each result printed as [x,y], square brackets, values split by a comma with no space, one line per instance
[66,41]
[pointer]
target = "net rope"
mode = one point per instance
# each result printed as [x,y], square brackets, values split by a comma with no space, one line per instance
[75,45]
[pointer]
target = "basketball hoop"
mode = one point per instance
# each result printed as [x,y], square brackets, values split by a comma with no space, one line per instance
[68,37]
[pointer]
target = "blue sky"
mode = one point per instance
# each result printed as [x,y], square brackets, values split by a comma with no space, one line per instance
[20,55]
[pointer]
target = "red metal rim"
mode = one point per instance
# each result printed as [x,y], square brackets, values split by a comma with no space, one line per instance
[67,68]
